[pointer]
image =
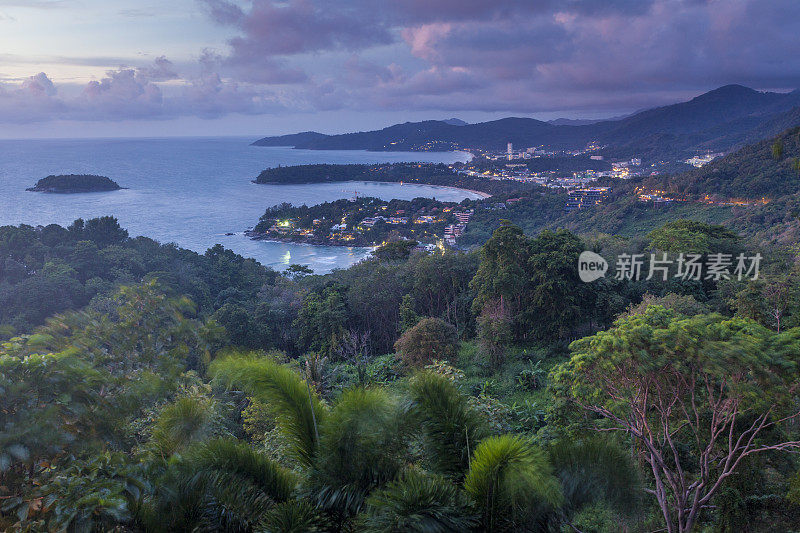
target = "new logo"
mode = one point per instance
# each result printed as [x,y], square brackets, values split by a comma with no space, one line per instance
[591,266]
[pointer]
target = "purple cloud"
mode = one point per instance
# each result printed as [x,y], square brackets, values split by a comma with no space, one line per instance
[507,56]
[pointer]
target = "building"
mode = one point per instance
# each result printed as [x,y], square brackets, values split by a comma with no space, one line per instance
[369,222]
[463,216]
[580,198]
[700,160]
[510,151]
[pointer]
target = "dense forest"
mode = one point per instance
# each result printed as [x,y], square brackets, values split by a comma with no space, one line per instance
[149,388]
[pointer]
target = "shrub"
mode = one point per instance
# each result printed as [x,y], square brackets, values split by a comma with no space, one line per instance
[429,340]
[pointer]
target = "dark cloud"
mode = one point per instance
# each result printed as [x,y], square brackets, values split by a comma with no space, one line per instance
[514,56]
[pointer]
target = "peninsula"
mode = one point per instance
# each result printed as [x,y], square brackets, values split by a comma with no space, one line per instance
[436,174]
[75,183]
[365,222]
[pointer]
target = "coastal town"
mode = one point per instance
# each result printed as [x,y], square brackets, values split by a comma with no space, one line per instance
[366,222]
[584,178]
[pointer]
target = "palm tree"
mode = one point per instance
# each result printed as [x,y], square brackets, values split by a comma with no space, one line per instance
[451,427]
[297,409]
[188,420]
[512,483]
[419,502]
[219,485]
[594,471]
[352,457]
[345,451]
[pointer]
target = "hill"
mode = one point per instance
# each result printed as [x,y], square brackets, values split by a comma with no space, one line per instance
[75,183]
[768,168]
[721,119]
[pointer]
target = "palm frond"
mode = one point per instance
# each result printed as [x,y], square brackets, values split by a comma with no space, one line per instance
[294,516]
[595,470]
[221,485]
[297,409]
[419,502]
[238,459]
[511,482]
[362,446]
[451,426]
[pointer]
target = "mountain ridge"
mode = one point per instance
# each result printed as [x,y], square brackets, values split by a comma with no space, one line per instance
[720,119]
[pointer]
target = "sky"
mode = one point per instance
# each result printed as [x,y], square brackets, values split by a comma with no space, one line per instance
[105,68]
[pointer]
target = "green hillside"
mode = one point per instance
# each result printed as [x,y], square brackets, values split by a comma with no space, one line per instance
[768,169]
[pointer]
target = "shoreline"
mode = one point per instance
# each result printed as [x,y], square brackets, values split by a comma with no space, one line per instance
[258,237]
[481,194]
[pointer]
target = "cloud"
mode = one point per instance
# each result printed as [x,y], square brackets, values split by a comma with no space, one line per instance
[36,4]
[508,56]
[135,93]
[162,70]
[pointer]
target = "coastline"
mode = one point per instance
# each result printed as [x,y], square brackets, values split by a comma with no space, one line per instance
[481,194]
[253,236]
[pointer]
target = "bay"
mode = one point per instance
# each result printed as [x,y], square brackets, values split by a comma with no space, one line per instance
[194,191]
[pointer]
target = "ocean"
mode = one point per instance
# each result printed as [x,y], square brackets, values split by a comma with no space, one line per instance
[194,191]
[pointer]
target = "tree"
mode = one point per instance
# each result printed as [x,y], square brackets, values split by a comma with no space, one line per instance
[430,339]
[451,427]
[556,294]
[353,348]
[503,271]
[218,485]
[773,301]
[494,332]
[697,395]
[511,482]
[348,450]
[296,271]
[419,502]
[321,320]
[690,236]
[777,149]
[104,231]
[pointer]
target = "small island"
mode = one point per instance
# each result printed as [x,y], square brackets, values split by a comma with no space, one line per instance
[75,183]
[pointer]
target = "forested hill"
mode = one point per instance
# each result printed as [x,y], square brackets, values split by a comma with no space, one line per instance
[770,168]
[719,120]
[421,173]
